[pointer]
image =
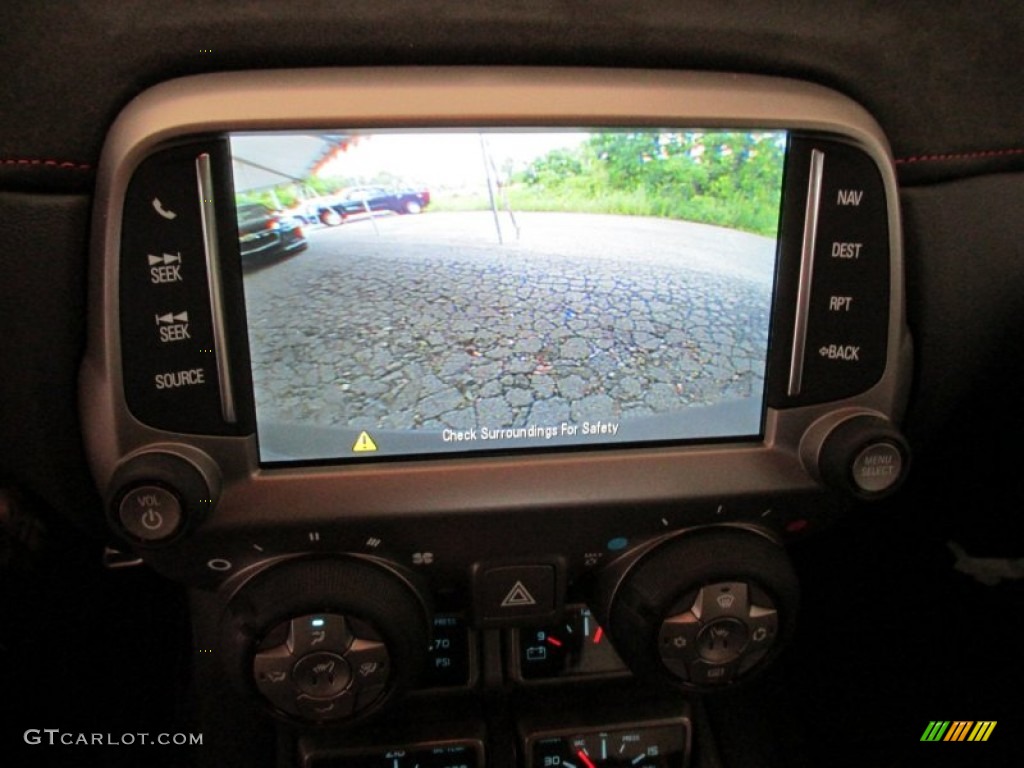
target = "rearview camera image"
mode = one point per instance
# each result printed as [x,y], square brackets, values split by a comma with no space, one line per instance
[421,292]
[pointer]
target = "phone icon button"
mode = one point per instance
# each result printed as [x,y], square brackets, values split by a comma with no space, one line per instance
[165,212]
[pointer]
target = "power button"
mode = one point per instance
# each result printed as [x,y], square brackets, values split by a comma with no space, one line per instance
[150,513]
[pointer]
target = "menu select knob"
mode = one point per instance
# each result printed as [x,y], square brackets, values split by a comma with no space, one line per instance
[865,456]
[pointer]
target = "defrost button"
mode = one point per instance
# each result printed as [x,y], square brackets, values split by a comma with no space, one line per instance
[727,598]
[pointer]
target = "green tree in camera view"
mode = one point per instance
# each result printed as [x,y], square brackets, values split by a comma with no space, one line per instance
[727,179]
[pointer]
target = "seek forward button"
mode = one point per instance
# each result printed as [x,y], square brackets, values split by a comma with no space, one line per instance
[165,268]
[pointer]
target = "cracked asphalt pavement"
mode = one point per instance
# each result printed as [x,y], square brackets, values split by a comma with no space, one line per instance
[427,322]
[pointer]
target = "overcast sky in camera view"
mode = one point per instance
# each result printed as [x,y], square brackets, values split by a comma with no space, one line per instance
[450,158]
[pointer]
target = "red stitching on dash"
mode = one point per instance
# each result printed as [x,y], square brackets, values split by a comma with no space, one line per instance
[65,164]
[959,156]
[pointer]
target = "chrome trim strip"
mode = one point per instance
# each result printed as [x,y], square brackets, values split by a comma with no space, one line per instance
[204,175]
[803,292]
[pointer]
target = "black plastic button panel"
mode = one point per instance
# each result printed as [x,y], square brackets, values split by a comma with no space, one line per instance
[321,667]
[718,633]
[845,338]
[167,344]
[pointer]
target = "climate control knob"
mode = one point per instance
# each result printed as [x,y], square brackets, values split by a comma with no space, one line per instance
[700,610]
[327,640]
[718,633]
[322,666]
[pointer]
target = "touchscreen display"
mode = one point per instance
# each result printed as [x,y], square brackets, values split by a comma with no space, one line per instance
[435,291]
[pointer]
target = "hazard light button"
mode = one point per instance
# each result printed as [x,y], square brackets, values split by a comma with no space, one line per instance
[512,594]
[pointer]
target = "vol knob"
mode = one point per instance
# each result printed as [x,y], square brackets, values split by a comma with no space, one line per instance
[156,497]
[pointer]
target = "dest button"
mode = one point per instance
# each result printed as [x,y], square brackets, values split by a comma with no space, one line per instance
[508,594]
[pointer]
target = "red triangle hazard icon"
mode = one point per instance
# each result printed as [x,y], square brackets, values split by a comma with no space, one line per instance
[518,596]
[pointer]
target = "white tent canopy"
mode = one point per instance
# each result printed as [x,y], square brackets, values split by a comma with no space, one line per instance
[260,161]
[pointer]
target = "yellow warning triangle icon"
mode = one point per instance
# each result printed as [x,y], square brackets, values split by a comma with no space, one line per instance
[364,443]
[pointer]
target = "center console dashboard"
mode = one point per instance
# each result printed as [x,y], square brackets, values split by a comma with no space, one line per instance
[490,388]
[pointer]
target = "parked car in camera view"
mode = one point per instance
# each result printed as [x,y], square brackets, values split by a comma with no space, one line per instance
[261,231]
[364,200]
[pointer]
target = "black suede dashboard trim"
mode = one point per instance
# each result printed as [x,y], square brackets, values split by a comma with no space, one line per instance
[939,78]
[932,168]
[43,304]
